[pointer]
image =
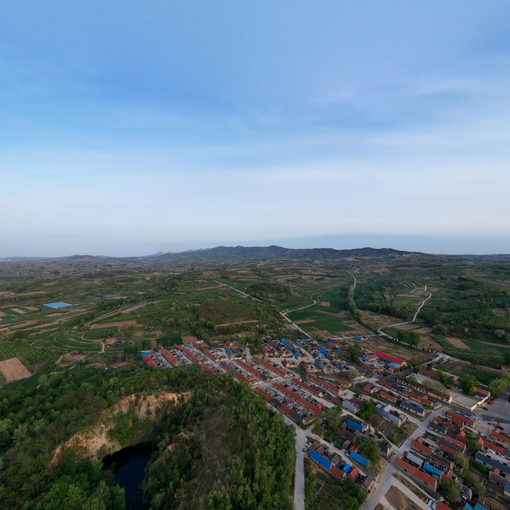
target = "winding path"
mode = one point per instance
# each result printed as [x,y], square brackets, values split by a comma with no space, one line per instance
[414,319]
[283,314]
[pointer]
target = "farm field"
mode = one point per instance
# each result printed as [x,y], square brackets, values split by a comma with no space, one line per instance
[318,318]
[13,370]
[120,303]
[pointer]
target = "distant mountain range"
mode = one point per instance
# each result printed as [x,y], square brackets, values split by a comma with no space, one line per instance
[275,252]
[232,253]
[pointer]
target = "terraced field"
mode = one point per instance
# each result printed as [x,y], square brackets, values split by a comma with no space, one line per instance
[71,341]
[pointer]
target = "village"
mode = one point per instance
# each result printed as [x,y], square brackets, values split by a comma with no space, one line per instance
[371,418]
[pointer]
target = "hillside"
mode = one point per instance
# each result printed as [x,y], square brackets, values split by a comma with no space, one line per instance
[219,447]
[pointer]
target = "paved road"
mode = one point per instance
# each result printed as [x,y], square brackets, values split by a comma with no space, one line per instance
[284,315]
[299,470]
[385,481]
[422,305]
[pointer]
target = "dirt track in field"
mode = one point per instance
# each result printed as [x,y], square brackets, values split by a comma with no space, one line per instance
[236,323]
[118,324]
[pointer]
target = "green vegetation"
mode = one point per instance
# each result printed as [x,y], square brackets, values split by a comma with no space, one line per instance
[410,337]
[247,449]
[468,383]
[499,386]
[331,420]
[369,448]
[321,319]
[367,410]
[237,454]
[323,492]
[269,291]
[450,490]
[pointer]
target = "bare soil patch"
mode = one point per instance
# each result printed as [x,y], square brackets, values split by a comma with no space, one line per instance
[238,322]
[495,344]
[379,344]
[32,308]
[19,325]
[413,297]
[97,438]
[13,370]
[212,287]
[424,331]
[399,500]
[305,321]
[329,313]
[133,308]
[2,314]
[118,324]
[381,320]
[457,343]
[429,343]
[18,310]
[69,359]
[325,303]
[406,327]
[119,364]
[188,339]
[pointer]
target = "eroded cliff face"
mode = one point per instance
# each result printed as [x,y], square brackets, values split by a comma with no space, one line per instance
[98,439]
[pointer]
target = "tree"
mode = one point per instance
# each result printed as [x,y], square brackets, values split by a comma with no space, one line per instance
[130,350]
[499,386]
[369,448]
[468,383]
[473,445]
[413,338]
[352,374]
[460,461]
[367,410]
[354,353]
[451,490]
[332,418]
[445,379]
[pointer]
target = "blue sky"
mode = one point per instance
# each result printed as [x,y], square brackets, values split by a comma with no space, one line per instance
[132,127]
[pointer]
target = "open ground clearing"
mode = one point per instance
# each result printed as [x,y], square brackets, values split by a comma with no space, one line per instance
[457,343]
[13,370]
[399,500]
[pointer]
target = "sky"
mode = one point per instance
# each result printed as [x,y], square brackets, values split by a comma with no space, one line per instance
[128,127]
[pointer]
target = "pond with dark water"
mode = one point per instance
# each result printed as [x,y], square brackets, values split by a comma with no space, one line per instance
[128,466]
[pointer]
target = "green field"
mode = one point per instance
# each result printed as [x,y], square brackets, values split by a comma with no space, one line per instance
[321,320]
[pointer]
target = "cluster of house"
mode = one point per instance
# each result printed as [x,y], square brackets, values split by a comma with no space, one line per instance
[495,455]
[298,399]
[431,458]
[380,361]
[333,464]
[329,356]
[412,397]
[193,352]
[481,395]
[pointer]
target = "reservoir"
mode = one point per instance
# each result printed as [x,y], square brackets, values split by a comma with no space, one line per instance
[129,466]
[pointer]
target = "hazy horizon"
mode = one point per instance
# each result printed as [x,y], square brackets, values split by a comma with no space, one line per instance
[128,129]
[430,245]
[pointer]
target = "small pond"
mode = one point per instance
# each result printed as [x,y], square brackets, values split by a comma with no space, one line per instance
[129,466]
